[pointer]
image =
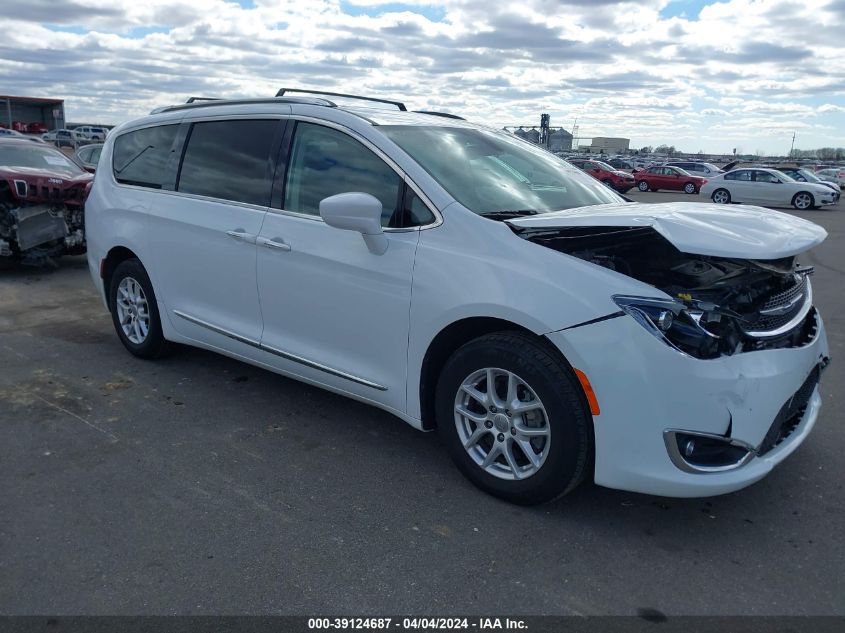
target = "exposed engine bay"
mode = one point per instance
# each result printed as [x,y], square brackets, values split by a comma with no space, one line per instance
[41,218]
[721,306]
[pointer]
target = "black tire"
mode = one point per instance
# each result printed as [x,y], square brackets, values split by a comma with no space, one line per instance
[154,345]
[690,188]
[608,182]
[642,185]
[725,191]
[802,195]
[556,385]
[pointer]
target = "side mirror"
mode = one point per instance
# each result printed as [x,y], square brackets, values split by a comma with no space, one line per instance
[356,211]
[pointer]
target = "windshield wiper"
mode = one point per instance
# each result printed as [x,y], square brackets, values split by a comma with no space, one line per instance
[506,215]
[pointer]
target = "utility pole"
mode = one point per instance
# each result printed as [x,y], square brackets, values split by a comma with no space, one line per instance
[791,147]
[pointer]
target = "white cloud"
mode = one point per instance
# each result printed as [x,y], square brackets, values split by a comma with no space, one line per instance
[620,68]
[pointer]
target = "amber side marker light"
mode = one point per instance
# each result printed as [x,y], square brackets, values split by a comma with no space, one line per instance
[588,391]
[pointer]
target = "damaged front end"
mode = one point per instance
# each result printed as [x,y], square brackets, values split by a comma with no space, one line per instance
[718,306]
[41,217]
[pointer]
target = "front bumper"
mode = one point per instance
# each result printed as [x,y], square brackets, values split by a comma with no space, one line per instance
[645,388]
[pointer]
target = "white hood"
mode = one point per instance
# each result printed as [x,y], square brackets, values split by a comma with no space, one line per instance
[700,228]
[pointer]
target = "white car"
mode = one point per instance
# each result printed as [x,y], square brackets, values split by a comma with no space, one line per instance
[63,138]
[766,186]
[833,175]
[91,133]
[469,282]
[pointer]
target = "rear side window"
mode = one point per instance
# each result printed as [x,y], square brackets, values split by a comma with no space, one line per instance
[325,162]
[140,157]
[741,174]
[230,160]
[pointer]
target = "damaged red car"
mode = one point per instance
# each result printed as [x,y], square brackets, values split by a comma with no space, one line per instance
[42,195]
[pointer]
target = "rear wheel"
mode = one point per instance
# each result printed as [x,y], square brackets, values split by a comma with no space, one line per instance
[803,201]
[514,418]
[721,196]
[134,310]
[689,187]
[642,185]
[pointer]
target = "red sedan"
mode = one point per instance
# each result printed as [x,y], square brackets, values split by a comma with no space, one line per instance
[614,178]
[672,178]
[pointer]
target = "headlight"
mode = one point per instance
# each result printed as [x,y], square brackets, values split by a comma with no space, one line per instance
[672,323]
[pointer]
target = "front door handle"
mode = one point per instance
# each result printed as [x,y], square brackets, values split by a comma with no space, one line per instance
[277,243]
[240,234]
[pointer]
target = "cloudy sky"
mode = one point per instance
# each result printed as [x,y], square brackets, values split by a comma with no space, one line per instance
[708,75]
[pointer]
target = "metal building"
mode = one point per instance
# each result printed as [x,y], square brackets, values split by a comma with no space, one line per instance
[531,135]
[609,145]
[50,112]
[560,140]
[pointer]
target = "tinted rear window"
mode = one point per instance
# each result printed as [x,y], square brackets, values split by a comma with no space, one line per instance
[140,157]
[230,160]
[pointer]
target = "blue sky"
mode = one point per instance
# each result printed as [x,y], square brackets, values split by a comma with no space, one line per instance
[709,75]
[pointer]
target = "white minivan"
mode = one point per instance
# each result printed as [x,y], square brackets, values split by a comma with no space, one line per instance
[469,282]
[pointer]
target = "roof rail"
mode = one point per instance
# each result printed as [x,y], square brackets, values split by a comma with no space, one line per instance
[398,104]
[195,99]
[447,115]
[201,102]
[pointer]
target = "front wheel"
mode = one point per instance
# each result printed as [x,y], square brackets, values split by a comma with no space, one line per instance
[513,418]
[134,310]
[642,185]
[721,196]
[689,188]
[803,201]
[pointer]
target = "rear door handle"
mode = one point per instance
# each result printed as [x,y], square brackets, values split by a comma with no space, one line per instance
[276,243]
[240,234]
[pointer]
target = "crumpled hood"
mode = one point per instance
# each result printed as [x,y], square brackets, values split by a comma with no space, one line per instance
[700,228]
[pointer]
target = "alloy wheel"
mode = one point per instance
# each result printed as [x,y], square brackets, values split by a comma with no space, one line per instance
[132,310]
[502,424]
[803,201]
[721,197]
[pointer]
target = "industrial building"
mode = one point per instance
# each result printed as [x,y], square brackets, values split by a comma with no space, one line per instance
[26,110]
[609,145]
[556,140]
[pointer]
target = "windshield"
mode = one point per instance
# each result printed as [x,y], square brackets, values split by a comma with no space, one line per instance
[493,172]
[39,158]
[604,166]
[808,175]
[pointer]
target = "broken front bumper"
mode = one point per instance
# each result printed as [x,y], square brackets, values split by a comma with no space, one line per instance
[646,388]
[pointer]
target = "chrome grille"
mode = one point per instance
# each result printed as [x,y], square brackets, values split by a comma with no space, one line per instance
[794,298]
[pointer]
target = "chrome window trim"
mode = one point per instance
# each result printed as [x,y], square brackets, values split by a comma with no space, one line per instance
[438,217]
[278,352]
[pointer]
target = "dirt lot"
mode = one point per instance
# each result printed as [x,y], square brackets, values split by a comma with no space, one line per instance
[198,484]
